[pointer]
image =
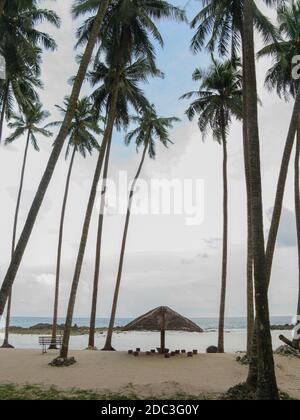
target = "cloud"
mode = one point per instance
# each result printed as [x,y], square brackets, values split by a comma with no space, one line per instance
[287,234]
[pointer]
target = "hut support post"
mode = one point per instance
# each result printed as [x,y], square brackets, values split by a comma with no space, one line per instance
[163,341]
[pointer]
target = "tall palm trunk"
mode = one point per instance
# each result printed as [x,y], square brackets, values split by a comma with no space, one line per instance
[2,4]
[108,343]
[250,285]
[277,211]
[91,343]
[3,110]
[225,243]
[6,344]
[297,207]
[267,385]
[107,136]
[53,345]
[39,197]
[281,186]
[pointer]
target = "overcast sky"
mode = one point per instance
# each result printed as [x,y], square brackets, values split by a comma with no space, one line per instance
[167,262]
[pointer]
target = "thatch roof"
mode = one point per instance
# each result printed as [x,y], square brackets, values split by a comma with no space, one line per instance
[153,321]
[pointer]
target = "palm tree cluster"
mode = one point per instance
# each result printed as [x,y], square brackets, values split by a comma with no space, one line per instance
[119,40]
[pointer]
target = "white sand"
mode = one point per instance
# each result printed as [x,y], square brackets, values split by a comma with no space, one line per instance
[235,340]
[147,375]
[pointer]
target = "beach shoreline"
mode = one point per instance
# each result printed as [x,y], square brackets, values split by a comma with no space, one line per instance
[235,340]
[145,376]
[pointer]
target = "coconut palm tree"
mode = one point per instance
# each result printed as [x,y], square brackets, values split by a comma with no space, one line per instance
[218,100]
[58,145]
[267,385]
[297,209]
[19,88]
[219,25]
[151,129]
[20,44]
[280,77]
[29,124]
[125,35]
[112,113]
[228,24]
[82,140]
[129,95]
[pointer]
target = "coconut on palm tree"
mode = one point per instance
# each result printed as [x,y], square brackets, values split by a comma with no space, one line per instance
[25,124]
[126,35]
[82,140]
[218,100]
[53,159]
[151,130]
[130,95]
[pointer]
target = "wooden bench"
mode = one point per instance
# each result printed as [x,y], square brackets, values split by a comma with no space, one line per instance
[47,341]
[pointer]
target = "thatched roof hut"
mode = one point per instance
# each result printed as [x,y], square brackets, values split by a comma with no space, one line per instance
[162,319]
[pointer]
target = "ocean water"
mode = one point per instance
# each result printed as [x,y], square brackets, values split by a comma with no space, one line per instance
[207,324]
[235,335]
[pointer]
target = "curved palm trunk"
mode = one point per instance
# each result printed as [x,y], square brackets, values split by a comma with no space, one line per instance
[281,186]
[2,4]
[297,207]
[277,211]
[53,345]
[58,145]
[108,343]
[267,386]
[6,344]
[91,343]
[225,246]
[87,220]
[3,110]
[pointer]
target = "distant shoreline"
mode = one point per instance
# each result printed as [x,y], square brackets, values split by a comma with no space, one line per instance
[46,329]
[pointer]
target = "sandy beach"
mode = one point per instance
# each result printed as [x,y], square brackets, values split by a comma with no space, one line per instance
[147,376]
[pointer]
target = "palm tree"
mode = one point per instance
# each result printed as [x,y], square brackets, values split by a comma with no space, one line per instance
[151,129]
[267,384]
[129,94]
[125,35]
[231,24]
[20,45]
[24,124]
[219,25]
[297,208]
[280,77]
[218,99]
[19,87]
[82,140]
[59,142]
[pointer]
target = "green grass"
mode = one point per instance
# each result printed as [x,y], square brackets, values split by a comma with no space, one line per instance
[36,392]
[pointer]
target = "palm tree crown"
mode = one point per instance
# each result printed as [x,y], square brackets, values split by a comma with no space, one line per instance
[127,27]
[218,99]
[219,25]
[83,127]
[151,129]
[30,122]
[129,92]
[283,51]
